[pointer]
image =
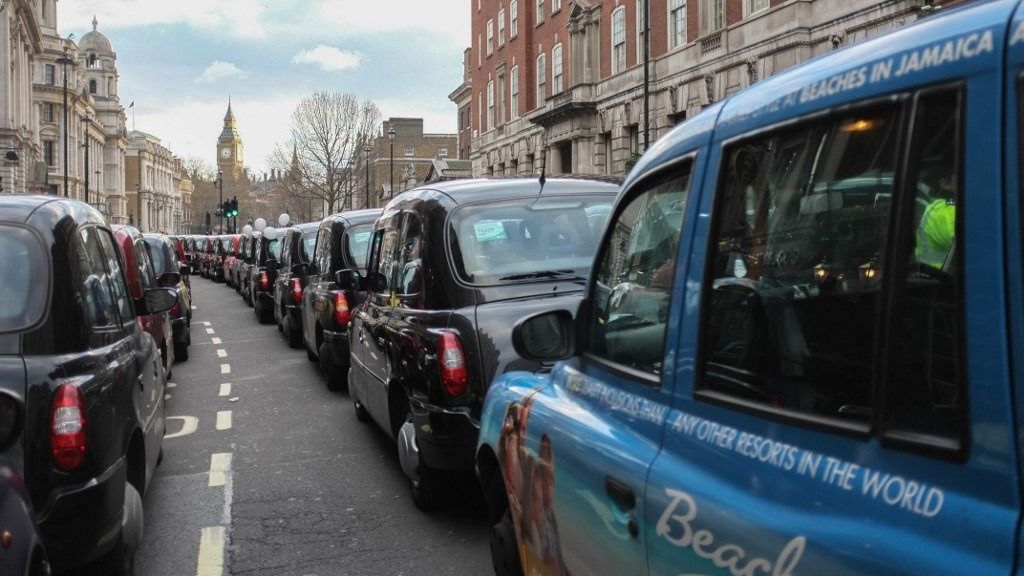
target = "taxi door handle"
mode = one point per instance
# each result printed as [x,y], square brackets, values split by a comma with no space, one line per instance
[623,497]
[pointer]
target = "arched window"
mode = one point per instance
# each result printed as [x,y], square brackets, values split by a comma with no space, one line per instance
[93,61]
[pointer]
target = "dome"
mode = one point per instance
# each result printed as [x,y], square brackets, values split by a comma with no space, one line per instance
[95,42]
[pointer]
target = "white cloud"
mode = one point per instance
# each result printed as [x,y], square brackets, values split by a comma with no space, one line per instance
[329,58]
[449,17]
[219,70]
[236,18]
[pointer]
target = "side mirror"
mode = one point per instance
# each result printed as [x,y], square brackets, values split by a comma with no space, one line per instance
[300,270]
[350,280]
[169,279]
[546,337]
[10,420]
[159,300]
[185,270]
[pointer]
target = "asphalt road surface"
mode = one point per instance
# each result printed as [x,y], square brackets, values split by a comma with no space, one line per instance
[266,472]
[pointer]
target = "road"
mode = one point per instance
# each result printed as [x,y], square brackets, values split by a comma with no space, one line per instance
[266,472]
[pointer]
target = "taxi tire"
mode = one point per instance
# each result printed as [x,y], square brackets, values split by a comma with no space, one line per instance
[504,548]
[427,490]
[293,337]
[361,414]
[120,561]
[180,351]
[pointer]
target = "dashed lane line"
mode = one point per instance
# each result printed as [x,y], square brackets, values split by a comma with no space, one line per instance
[189,425]
[225,389]
[225,368]
[211,552]
[215,340]
[224,420]
[220,468]
[222,353]
[210,331]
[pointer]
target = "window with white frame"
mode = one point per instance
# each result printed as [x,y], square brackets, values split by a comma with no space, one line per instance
[490,104]
[540,11]
[676,23]
[501,28]
[556,5]
[542,77]
[640,7]
[49,74]
[712,16]
[556,69]
[490,37]
[513,18]
[479,50]
[619,40]
[514,89]
[409,151]
[47,112]
[442,152]
[480,111]
[754,6]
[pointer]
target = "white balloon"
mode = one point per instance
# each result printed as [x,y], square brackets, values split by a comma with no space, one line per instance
[260,224]
[283,220]
[247,230]
[270,233]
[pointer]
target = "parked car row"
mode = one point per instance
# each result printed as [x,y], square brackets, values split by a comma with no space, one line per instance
[92,318]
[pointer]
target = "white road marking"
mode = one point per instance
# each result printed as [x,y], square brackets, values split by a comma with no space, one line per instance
[220,468]
[167,396]
[215,340]
[211,552]
[224,420]
[225,389]
[172,385]
[225,368]
[205,323]
[210,331]
[222,353]
[189,425]
[195,307]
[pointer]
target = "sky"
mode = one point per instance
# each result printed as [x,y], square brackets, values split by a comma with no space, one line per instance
[180,60]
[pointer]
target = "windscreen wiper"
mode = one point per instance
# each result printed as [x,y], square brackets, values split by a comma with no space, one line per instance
[543,274]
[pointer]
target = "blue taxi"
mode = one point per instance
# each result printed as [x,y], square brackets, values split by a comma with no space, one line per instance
[800,349]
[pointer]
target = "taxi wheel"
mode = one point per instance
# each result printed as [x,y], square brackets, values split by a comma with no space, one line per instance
[504,549]
[361,414]
[181,351]
[120,561]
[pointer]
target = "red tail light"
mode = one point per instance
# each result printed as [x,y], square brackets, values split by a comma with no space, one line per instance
[176,310]
[67,427]
[341,313]
[264,280]
[296,290]
[454,377]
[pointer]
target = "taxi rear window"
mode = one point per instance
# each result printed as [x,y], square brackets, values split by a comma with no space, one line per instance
[24,281]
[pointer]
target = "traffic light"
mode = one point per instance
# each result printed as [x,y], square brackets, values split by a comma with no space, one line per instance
[234,207]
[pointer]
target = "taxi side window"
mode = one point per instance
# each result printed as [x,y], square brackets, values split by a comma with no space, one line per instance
[793,285]
[146,271]
[95,294]
[118,283]
[633,281]
[925,385]
[410,281]
[384,256]
[323,251]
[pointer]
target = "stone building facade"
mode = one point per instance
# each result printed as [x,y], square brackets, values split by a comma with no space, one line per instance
[561,81]
[153,192]
[413,155]
[462,97]
[20,46]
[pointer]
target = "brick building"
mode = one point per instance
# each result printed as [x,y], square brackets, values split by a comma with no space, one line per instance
[414,153]
[462,97]
[562,81]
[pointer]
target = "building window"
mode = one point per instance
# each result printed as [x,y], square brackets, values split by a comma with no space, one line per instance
[754,6]
[480,111]
[556,5]
[676,23]
[513,18]
[410,151]
[712,16]
[540,11]
[499,99]
[640,29]
[47,112]
[50,74]
[490,37]
[556,69]
[479,50]
[94,62]
[514,99]
[501,28]
[542,76]
[634,140]
[490,104]
[619,40]
[92,86]
[442,152]
[48,153]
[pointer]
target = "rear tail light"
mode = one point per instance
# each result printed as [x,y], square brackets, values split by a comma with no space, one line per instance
[341,313]
[296,289]
[453,365]
[67,427]
[176,310]
[264,281]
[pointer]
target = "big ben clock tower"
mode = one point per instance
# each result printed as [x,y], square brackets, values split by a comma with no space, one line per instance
[230,152]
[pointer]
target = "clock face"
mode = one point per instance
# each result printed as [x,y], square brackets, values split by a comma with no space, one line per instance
[226,152]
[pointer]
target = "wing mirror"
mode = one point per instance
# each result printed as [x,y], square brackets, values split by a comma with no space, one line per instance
[157,300]
[546,338]
[376,282]
[300,270]
[169,279]
[350,280]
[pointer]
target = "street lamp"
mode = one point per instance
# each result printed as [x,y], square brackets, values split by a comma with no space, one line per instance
[391,137]
[64,61]
[88,122]
[220,216]
[367,150]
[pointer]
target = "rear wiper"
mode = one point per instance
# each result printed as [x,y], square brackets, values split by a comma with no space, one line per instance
[542,274]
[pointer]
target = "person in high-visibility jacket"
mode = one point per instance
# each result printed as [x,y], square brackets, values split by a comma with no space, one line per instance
[936,233]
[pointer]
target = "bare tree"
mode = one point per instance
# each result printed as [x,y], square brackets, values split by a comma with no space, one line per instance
[327,135]
[198,170]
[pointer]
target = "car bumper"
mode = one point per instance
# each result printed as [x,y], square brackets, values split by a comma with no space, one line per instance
[81,523]
[335,351]
[446,437]
[294,312]
[265,299]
